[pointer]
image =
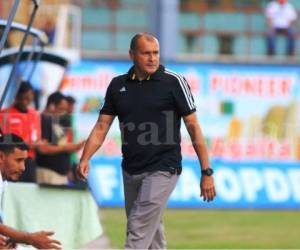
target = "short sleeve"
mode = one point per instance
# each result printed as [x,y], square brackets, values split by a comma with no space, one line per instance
[293,13]
[108,107]
[183,97]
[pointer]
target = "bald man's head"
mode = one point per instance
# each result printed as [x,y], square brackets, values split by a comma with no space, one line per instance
[147,36]
[144,52]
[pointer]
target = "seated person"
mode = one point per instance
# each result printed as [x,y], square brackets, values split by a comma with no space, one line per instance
[281,16]
[13,153]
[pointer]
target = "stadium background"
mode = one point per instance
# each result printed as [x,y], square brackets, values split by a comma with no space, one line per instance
[247,104]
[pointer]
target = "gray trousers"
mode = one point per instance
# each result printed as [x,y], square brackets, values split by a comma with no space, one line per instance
[146,196]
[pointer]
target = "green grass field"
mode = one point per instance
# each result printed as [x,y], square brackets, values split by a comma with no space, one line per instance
[222,229]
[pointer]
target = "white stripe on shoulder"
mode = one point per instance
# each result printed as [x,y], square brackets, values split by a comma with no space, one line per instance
[188,90]
[184,87]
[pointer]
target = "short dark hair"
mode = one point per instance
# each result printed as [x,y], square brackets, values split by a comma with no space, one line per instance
[24,88]
[8,142]
[70,99]
[55,98]
[134,40]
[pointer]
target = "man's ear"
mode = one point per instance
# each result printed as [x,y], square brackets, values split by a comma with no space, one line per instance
[131,54]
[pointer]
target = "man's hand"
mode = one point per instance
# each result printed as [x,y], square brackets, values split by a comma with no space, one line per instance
[83,170]
[208,191]
[5,243]
[42,240]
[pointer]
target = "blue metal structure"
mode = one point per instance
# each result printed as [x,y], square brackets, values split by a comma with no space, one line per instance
[8,25]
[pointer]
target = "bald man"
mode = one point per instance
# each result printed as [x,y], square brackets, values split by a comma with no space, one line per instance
[150,102]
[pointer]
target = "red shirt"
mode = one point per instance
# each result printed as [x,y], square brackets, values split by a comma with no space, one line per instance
[27,125]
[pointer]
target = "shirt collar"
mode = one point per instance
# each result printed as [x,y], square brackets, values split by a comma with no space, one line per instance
[157,75]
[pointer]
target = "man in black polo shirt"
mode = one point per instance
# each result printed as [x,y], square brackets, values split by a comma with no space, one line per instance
[149,102]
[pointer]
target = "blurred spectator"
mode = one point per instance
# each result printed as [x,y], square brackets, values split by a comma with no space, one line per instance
[24,121]
[49,29]
[281,15]
[54,155]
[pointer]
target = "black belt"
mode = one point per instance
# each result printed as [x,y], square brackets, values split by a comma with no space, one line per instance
[177,171]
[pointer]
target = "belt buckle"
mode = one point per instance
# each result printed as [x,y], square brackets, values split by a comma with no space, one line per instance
[173,170]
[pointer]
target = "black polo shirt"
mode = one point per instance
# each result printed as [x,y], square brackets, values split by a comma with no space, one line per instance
[149,114]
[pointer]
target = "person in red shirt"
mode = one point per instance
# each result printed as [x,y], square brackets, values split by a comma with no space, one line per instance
[24,121]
